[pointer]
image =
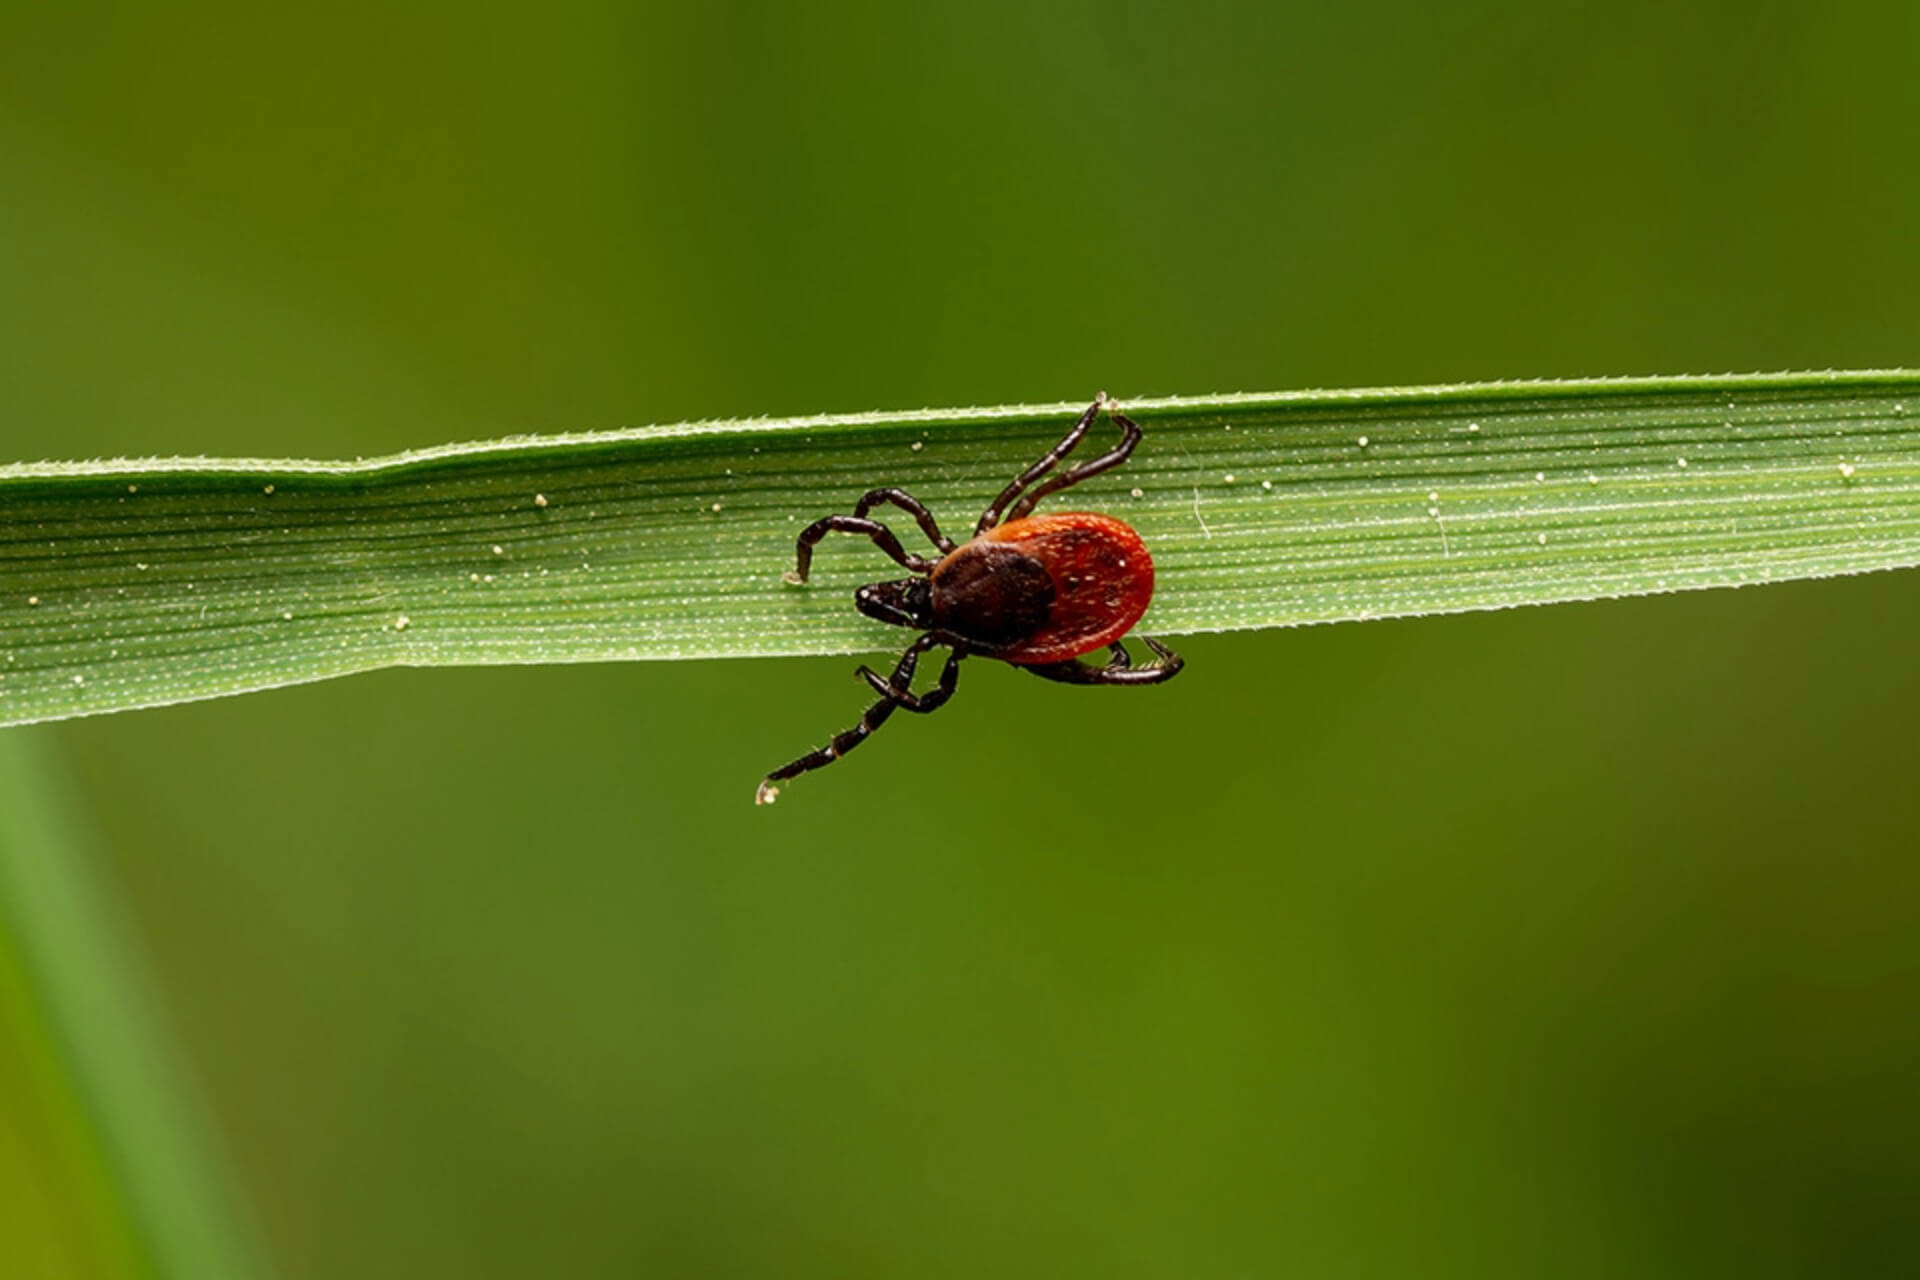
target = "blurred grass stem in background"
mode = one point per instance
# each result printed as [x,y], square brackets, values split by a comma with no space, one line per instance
[136,1190]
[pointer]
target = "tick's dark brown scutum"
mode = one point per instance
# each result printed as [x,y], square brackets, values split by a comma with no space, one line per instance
[992,593]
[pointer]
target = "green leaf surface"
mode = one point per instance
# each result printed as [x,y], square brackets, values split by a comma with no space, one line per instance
[137,583]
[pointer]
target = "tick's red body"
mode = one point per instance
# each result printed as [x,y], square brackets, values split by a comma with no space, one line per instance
[1100,574]
[1035,591]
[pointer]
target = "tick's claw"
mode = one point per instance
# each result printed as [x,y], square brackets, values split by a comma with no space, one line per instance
[794,578]
[767,794]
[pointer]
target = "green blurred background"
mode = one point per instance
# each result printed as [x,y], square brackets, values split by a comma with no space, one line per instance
[1573,941]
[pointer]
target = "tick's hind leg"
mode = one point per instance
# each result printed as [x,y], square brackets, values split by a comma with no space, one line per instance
[882,536]
[1075,434]
[1165,666]
[876,716]
[1129,437]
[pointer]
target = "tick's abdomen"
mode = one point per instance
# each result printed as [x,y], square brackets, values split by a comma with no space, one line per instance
[1045,588]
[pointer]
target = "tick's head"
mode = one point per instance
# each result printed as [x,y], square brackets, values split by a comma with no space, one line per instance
[907,602]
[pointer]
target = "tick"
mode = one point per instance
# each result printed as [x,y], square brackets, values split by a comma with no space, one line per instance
[1033,591]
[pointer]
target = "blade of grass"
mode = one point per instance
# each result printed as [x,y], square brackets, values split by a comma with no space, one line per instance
[127,584]
[121,1179]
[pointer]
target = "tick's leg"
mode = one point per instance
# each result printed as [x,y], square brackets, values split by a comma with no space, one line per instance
[1075,434]
[900,690]
[876,716]
[909,504]
[1166,665]
[1129,437]
[882,536]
